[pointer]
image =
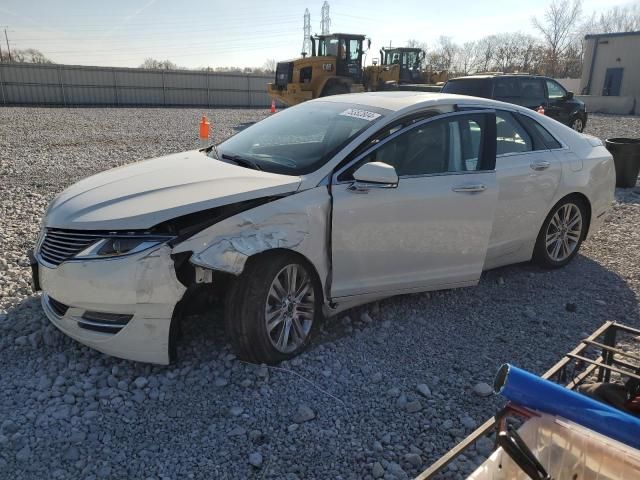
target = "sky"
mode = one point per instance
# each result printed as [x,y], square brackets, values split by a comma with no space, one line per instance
[244,33]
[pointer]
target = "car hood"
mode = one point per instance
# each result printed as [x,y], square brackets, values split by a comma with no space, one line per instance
[144,194]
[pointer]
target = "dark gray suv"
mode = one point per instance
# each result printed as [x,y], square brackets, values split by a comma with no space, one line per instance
[531,91]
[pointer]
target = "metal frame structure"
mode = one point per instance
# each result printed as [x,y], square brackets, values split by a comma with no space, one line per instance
[571,371]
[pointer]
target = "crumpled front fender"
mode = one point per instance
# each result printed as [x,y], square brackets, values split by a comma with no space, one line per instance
[297,222]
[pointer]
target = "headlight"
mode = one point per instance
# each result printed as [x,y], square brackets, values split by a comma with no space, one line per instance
[118,246]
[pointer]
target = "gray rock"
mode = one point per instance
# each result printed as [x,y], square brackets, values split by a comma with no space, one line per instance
[414,459]
[377,470]
[255,459]
[366,318]
[468,422]
[424,390]
[237,432]
[9,427]
[484,446]
[482,389]
[24,454]
[304,414]
[414,406]
[236,411]
[376,378]
[447,424]
[21,341]
[141,382]
[71,454]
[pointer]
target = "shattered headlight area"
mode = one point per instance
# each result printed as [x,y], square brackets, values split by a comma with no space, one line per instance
[118,246]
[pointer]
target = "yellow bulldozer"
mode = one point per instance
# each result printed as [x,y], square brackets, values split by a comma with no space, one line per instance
[335,67]
[400,68]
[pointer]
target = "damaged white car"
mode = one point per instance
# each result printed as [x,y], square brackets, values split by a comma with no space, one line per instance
[321,207]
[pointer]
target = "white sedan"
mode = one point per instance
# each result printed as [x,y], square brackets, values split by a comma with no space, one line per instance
[330,204]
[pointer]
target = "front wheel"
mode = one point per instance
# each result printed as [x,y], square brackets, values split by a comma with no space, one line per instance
[578,124]
[273,308]
[561,234]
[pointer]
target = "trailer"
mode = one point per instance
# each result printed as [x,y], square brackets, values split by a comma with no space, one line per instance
[597,357]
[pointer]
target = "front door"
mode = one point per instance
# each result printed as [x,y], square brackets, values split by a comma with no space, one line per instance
[432,230]
[557,106]
[349,60]
[612,82]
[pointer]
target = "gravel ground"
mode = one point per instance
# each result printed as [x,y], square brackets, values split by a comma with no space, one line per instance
[383,391]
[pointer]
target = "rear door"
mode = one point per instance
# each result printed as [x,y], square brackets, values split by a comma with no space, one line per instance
[528,178]
[432,229]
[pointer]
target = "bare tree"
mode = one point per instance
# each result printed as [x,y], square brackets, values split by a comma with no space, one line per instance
[152,63]
[485,52]
[269,65]
[619,19]
[28,55]
[560,20]
[467,58]
[443,57]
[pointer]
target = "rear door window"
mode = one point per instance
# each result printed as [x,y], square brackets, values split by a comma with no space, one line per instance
[531,90]
[476,87]
[506,89]
[511,137]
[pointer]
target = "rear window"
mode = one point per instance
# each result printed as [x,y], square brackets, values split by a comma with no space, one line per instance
[476,87]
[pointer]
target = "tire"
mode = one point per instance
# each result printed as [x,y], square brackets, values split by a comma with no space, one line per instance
[577,124]
[334,89]
[560,237]
[253,296]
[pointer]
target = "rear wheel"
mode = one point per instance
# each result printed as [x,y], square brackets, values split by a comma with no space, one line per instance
[272,309]
[561,234]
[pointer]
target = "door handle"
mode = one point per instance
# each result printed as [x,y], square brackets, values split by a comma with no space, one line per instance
[542,165]
[469,188]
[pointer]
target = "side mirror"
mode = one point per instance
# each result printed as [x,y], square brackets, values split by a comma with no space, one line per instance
[374,175]
[569,95]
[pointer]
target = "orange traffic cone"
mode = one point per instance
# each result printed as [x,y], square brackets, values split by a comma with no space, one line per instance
[273,106]
[540,110]
[204,128]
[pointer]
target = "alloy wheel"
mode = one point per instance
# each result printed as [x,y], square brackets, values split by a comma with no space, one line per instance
[290,308]
[578,125]
[563,232]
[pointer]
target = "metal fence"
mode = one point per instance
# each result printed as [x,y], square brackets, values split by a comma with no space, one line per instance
[72,85]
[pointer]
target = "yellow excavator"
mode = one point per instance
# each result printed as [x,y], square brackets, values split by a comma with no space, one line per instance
[335,67]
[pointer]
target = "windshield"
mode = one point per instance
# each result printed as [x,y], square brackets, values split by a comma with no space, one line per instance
[299,139]
[411,59]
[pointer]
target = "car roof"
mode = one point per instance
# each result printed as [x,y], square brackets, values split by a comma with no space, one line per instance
[496,75]
[397,101]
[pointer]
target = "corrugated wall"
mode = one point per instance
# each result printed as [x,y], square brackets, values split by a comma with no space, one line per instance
[71,85]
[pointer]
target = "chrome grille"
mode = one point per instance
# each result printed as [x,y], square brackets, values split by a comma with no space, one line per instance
[60,245]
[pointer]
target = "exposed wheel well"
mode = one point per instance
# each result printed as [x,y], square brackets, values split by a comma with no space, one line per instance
[304,260]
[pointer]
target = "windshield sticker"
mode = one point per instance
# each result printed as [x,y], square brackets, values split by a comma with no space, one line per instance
[362,114]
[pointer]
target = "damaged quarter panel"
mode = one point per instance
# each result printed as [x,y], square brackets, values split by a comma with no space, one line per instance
[297,222]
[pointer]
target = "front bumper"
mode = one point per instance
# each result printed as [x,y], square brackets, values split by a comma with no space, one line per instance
[143,286]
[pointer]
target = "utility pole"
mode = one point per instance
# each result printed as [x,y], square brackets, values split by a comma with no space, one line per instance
[8,48]
[325,21]
[306,42]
